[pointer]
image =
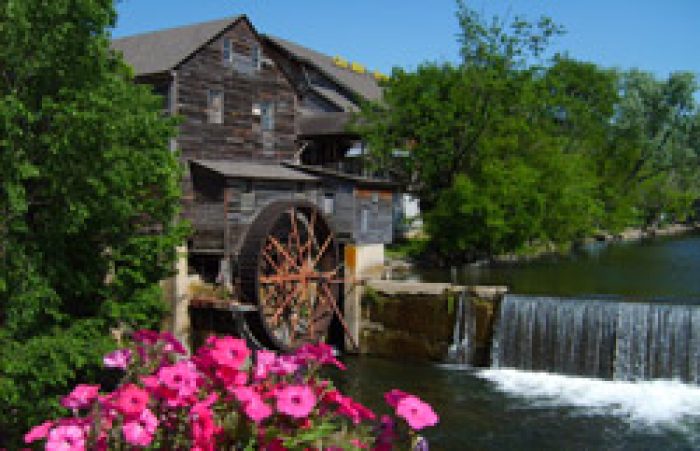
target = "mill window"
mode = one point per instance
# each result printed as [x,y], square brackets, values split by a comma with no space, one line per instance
[215,106]
[267,116]
[364,220]
[228,51]
[256,57]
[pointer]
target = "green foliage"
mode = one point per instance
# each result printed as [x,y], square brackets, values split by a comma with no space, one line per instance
[657,125]
[88,194]
[505,151]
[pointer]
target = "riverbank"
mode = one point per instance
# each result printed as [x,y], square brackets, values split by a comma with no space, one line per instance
[407,255]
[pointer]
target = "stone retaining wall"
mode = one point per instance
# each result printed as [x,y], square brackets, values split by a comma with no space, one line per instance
[416,320]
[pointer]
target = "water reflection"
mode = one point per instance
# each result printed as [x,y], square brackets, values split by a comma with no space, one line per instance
[657,268]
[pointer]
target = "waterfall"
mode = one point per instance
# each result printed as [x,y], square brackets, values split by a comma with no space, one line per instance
[460,350]
[614,340]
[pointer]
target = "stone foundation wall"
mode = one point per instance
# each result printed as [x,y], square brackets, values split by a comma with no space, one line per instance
[416,320]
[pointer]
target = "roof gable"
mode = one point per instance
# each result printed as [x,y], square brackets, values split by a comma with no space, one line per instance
[364,86]
[163,50]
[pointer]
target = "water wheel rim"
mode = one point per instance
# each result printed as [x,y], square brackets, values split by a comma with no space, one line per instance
[297,278]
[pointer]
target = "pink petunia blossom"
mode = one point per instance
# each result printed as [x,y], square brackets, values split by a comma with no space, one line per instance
[66,438]
[139,431]
[285,365]
[231,377]
[296,400]
[82,396]
[172,344]
[230,352]
[393,397]
[38,432]
[417,413]
[202,426]
[348,407]
[180,379]
[321,353]
[264,361]
[131,400]
[145,336]
[256,409]
[117,359]
[387,434]
[243,394]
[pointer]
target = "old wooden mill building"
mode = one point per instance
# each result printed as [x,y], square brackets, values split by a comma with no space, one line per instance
[282,210]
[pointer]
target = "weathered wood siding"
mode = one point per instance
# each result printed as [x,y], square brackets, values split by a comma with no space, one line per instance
[240,136]
[362,216]
[374,208]
[246,199]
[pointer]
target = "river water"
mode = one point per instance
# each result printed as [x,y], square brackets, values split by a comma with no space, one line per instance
[514,409]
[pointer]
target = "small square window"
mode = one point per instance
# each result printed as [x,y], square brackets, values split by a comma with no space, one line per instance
[215,106]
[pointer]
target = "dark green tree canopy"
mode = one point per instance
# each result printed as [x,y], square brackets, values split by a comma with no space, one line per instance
[89,192]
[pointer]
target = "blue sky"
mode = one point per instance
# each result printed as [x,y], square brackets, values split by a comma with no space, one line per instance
[658,36]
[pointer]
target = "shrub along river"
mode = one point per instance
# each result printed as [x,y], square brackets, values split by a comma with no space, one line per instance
[539,394]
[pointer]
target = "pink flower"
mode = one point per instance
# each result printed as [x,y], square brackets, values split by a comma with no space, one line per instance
[38,432]
[202,426]
[139,431]
[82,396]
[172,344]
[387,434]
[145,336]
[256,409]
[230,352]
[356,442]
[180,379]
[265,360]
[417,413]
[231,377]
[243,394]
[66,438]
[321,353]
[117,359]
[394,396]
[285,365]
[296,400]
[348,407]
[131,400]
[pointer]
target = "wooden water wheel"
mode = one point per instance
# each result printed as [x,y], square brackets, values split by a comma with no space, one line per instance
[290,267]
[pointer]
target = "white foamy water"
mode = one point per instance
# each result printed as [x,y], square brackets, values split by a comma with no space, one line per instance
[658,402]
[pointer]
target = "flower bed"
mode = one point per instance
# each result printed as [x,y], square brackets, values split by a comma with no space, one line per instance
[226,397]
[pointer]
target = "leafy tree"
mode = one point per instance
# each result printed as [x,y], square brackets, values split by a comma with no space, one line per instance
[88,194]
[656,127]
[497,146]
[445,115]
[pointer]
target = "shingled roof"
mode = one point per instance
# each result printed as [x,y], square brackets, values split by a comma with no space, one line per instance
[363,85]
[161,51]
[251,170]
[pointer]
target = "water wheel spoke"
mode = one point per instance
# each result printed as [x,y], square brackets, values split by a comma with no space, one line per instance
[331,301]
[322,250]
[283,251]
[271,261]
[311,234]
[295,238]
[288,300]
